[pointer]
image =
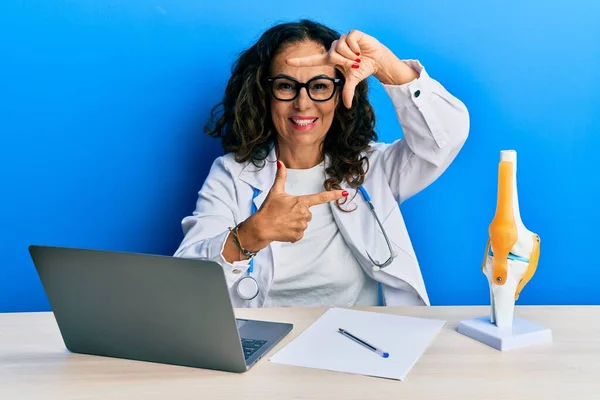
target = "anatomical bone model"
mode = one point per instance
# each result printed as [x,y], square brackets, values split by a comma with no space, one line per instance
[512,251]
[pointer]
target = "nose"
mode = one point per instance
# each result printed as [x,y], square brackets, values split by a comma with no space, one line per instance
[302,102]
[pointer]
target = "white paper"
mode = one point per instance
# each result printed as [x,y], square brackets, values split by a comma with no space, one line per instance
[322,346]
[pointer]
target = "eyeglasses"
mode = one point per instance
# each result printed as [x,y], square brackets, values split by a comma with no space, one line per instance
[319,88]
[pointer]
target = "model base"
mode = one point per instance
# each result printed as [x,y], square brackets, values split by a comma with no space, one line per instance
[522,334]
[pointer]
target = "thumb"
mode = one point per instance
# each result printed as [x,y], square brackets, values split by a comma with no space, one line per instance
[348,92]
[279,184]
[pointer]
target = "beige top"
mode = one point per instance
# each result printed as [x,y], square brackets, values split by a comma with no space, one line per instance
[35,364]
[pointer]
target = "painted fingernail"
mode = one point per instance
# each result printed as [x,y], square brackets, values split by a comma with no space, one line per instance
[278,164]
[345,193]
[355,66]
[358,54]
[357,60]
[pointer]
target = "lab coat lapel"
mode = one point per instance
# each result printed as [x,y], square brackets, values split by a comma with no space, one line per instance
[262,179]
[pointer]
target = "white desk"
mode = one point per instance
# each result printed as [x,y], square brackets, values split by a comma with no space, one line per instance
[35,364]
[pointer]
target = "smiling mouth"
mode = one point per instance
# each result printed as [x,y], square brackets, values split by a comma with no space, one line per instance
[303,122]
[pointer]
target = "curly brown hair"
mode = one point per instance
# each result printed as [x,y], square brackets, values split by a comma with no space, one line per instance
[243,119]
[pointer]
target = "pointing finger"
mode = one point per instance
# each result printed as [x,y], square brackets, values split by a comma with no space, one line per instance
[324,197]
[309,61]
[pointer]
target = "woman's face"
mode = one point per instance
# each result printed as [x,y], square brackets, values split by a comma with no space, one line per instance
[301,122]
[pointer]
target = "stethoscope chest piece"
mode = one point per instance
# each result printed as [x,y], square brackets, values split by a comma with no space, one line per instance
[247,288]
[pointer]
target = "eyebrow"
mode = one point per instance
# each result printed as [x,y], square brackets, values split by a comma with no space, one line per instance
[296,80]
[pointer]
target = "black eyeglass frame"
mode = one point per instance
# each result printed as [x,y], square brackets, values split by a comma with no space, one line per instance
[299,85]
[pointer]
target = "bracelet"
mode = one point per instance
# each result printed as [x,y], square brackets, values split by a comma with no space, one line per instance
[238,243]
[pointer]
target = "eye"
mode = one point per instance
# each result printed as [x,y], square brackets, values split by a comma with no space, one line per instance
[284,86]
[322,85]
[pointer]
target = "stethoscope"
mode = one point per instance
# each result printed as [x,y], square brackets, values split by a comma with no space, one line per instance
[247,287]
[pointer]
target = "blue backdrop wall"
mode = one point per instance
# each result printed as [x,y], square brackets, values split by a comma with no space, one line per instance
[102,105]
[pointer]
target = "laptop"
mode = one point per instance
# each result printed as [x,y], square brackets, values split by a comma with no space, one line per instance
[150,308]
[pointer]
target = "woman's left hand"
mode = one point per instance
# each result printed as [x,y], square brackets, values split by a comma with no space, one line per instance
[357,55]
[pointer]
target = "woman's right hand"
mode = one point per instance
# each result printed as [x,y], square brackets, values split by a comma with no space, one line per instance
[284,217]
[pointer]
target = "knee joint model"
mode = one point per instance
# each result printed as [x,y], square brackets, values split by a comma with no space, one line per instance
[512,251]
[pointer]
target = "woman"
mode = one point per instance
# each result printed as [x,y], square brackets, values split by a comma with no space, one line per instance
[285,211]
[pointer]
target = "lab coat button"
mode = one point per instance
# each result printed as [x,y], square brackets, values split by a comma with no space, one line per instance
[417,93]
[236,271]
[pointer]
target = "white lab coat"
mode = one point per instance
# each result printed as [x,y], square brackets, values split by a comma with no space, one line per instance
[435,125]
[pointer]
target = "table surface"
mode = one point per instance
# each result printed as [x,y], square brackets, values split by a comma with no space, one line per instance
[34,363]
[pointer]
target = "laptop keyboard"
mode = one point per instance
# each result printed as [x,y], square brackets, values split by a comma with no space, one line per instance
[250,346]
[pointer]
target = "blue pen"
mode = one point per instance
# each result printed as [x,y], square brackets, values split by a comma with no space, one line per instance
[367,345]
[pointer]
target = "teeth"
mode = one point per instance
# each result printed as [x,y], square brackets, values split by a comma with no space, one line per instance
[303,122]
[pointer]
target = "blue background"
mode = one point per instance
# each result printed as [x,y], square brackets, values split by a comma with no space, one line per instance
[102,106]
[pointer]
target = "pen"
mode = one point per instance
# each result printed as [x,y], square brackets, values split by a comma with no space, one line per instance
[367,345]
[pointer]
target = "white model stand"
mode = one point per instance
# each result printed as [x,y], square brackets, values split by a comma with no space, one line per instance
[521,334]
